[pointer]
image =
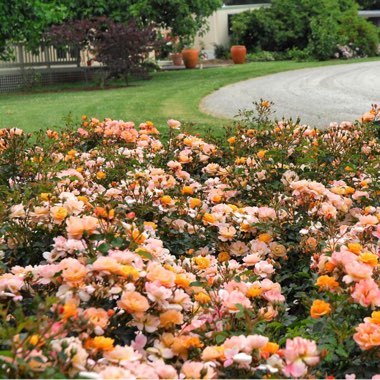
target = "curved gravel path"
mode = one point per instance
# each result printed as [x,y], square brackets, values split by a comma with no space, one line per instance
[318,96]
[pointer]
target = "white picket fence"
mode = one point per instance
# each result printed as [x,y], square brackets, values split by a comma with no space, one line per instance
[45,56]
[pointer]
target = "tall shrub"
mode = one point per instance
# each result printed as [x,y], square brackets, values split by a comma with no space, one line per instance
[323,38]
[318,26]
[360,33]
[121,47]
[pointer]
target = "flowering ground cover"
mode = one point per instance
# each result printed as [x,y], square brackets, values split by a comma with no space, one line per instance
[255,256]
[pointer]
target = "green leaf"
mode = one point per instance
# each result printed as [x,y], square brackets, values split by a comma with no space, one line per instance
[197,283]
[220,337]
[341,352]
[104,248]
[117,242]
[96,237]
[144,254]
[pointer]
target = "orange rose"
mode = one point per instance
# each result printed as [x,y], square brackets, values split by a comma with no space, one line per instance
[202,262]
[368,258]
[266,238]
[223,257]
[69,310]
[319,309]
[326,282]
[254,291]
[194,202]
[170,318]
[375,318]
[208,219]
[354,248]
[100,175]
[100,343]
[182,281]
[367,117]
[166,200]
[270,348]
[129,272]
[261,154]
[202,298]
[187,190]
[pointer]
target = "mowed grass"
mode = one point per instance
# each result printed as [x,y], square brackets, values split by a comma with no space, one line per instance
[170,94]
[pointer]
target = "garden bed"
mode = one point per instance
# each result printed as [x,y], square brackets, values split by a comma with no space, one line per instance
[252,256]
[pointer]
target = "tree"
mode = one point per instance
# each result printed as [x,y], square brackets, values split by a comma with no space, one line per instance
[121,47]
[184,17]
[24,20]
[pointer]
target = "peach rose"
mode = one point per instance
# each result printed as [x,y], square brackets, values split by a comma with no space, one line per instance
[366,293]
[58,213]
[76,226]
[234,298]
[121,353]
[367,336]
[174,124]
[97,317]
[106,263]
[113,372]
[73,271]
[213,353]
[133,302]
[158,273]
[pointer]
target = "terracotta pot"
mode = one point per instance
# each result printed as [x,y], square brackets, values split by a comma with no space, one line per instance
[177,59]
[238,53]
[190,58]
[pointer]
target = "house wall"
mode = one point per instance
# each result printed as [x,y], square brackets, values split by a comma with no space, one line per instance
[218,27]
[373,16]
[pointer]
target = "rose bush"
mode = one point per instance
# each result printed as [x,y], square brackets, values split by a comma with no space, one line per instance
[124,256]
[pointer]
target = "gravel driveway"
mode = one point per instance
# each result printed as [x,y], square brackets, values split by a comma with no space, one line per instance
[318,95]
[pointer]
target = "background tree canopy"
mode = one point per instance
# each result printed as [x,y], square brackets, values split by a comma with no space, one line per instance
[369,4]
[26,20]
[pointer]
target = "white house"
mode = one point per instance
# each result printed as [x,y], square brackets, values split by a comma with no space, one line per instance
[373,16]
[220,22]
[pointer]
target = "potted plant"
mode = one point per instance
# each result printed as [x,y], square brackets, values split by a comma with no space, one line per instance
[238,53]
[190,54]
[176,54]
[190,57]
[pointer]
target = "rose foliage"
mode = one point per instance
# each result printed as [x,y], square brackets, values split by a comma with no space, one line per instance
[124,256]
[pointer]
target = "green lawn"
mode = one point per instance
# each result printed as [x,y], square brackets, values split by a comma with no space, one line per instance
[167,95]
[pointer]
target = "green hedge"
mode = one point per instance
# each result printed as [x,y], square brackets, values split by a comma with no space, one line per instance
[315,28]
